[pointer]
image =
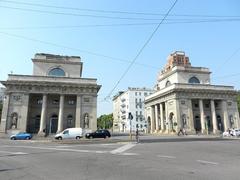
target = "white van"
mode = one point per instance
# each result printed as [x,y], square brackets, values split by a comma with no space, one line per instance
[70,133]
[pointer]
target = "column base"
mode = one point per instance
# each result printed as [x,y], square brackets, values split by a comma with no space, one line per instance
[217,132]
[162,131]
[41,134]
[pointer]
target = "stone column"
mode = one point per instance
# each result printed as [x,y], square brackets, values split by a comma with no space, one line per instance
[93,115]
[43,115]
[225,115]
[78,112]
[4,120]
[161,117]
[190,116]
[214,118]
[60,114]
[156,118]
[152,120]
[166,117]
[202,116]
[24,113]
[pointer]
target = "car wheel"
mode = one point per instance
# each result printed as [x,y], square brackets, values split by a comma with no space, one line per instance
[60,138]
[13,138]
[27,138]
[78,137]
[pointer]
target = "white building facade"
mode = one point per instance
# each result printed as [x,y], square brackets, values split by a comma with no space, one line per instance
[185,98]
[130,101]
[55,97]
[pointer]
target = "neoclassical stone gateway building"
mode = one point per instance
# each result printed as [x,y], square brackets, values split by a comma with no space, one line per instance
[55,97]
[184,98]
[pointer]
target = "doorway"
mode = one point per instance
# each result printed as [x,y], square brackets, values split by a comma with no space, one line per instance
[53,124]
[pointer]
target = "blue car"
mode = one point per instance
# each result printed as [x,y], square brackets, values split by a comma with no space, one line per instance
[21,136]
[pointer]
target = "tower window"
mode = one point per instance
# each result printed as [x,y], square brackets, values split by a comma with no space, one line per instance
[194,80]
[56,72]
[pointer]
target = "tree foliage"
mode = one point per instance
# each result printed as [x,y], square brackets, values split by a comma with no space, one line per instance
[238,101]
[105,121]
[1,105]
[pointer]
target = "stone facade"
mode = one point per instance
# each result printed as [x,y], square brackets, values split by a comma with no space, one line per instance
[55,97]
[184,98]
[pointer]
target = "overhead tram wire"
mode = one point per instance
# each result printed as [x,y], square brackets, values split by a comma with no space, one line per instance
[75,49]
[101,16]
[115,25]
[140,51]
[107,11]
[228,59]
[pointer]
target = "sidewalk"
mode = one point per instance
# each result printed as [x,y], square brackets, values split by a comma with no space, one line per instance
[126,139]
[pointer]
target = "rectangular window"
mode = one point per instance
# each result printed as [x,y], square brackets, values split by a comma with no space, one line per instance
[183,102]
[55,101]
[196,105]
[135,93]
[86,99]
[39,101]
[71,102]
[145,94]
[229,103]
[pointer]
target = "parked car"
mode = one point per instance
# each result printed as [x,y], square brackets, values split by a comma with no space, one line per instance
[70,133]
[21,136]
[232,132]
[236,132]
[103,133]
[107,132]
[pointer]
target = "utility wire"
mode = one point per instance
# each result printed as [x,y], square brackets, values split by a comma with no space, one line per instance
[91,16]
[75,49]
[228,59]
[115,25]
[106,11]
[140,51]
[81,15]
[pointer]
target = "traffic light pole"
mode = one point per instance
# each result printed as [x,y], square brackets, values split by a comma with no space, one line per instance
[130,129]
[130,117]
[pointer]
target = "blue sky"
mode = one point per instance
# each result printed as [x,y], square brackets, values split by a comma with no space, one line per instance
[107,35]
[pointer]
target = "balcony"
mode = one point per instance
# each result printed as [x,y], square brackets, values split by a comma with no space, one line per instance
[123,105]
[123,99]
[123,111]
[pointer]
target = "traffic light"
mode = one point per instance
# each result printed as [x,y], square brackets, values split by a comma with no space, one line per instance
[130,116]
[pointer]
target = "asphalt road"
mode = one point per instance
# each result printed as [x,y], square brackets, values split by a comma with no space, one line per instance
[174,160]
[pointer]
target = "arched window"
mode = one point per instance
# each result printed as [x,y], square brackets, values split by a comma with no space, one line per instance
[194,80]
[168,83]
[56,72]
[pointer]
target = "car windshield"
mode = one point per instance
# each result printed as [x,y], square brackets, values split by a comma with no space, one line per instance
[21,133]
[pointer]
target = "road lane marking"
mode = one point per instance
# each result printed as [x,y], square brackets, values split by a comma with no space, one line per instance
[14,153]
[122,149]
[60,149]
[207,162]
[164,156]
[129,154]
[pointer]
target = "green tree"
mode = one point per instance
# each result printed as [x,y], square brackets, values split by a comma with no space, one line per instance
[238,101]
[0,110]
[105,121]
